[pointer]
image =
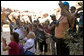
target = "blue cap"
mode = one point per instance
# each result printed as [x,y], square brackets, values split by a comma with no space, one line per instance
[66,3]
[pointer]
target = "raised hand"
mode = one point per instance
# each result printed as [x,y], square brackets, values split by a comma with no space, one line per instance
[60,4]
[80,3]
[29,16]
[81,8]
[8,17]
[30,19]
[3,39]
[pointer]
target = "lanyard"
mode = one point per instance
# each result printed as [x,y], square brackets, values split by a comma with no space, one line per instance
[61,18]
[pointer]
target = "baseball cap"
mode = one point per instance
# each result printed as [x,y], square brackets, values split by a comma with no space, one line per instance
[53,15]
[66,3]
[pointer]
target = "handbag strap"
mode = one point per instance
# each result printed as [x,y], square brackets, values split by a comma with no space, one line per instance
[29,48]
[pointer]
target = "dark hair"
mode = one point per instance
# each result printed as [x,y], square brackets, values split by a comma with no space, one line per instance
[34,25]
[73,7]
[16,36]
[35,21]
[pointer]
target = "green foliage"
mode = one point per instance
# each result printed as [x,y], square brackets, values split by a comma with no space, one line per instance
[75,43]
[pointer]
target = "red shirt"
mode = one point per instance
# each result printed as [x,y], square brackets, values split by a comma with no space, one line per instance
[14,48]
[47,29]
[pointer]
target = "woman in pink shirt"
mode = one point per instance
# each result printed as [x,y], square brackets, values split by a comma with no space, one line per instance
[13,46]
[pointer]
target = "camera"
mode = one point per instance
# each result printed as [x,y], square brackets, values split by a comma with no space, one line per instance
[56,22]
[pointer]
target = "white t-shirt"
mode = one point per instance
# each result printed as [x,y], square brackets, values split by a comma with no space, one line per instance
[20,32]
[29,43]
[25,39]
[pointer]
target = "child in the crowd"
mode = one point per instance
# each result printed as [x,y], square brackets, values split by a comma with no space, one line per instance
[13,46]
[29,48]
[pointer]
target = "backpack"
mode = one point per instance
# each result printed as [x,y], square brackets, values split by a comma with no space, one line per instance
[21,50]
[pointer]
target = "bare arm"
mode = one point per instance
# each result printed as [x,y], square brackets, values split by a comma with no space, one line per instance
[30,19]
[9,19]
[46,33]
[66,13]
[5,47]
[14,18]
[63,9]
[60,4]
[78,10]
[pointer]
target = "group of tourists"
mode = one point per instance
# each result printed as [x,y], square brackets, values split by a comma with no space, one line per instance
[26,38]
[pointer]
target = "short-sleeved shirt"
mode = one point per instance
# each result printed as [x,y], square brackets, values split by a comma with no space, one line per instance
[47,29]
[53,30]
[14,48]
[20,32]
[29,43]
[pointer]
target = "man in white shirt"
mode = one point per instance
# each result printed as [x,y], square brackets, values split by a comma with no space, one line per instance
[19,30]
